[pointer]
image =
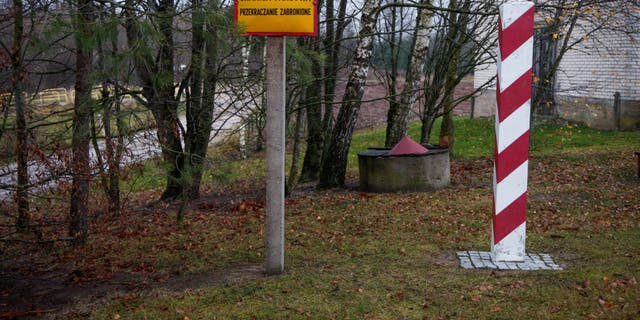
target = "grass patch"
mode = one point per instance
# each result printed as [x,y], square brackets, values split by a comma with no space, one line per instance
[353,255]
[475,138]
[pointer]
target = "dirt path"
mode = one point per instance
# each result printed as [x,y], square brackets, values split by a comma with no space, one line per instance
[65,293]
[33,289]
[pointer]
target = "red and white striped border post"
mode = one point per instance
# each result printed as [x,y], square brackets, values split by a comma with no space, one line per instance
[515,39]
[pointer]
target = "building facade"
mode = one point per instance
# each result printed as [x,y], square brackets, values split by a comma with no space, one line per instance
[597,81]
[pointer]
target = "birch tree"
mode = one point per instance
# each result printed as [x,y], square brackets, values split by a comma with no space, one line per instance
[460,42]
[399,111]
[334,162]
[319,122]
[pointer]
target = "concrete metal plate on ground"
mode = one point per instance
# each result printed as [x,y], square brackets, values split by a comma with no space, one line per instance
[482,260]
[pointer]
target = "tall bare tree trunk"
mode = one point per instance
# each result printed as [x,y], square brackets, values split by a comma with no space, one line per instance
[157,77]
[166,108]
[395,43]
[205,114]
[292,180]
[78,212]
[104,103]
[315,135]
[319,123]
[447,138]
[334,164]
[22,200]
[199,109]
[457,37]
[399,113]
[114,145]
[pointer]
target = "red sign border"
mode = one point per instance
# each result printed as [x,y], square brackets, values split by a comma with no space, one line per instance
[283,33]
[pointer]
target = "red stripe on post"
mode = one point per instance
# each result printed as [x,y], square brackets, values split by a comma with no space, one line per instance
[509,224]
[514,96]
[515,34]
[510,218]
[512,157]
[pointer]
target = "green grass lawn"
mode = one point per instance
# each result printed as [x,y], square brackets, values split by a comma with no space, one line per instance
[354,255]
[475,138]
[351,255]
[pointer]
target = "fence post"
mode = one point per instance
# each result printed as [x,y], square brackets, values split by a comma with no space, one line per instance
[617,110]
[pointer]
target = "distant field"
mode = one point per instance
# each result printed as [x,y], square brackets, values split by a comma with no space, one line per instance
[49,118]
[59,96]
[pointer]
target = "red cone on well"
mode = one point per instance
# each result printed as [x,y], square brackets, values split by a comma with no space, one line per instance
[407,146]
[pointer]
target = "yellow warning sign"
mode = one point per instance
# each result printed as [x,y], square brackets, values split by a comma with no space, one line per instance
[277,17]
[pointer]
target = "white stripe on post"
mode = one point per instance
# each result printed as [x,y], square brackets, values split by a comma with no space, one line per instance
[512,67]
[512,187]
[512,127]
[514,11]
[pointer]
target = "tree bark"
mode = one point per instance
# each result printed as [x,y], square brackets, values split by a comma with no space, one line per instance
[114,145]
[157,78]
[399,113]
[315,135]
[425,128]
[200,108]
[167,105]
[447,138]
[292,180]
[395,109]
[22,200]
[446,131]
[81,173]
[332,44]
[166,116]
[334,162]
[209,96]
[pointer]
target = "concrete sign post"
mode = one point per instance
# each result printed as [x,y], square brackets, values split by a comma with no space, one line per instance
[275,154]
[276,19]
[515,37]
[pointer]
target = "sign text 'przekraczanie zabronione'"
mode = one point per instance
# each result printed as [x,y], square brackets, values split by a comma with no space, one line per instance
[277,17]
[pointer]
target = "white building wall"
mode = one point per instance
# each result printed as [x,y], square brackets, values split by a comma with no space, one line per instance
[597,68]
[606,63]
[484,73]
[589,74]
